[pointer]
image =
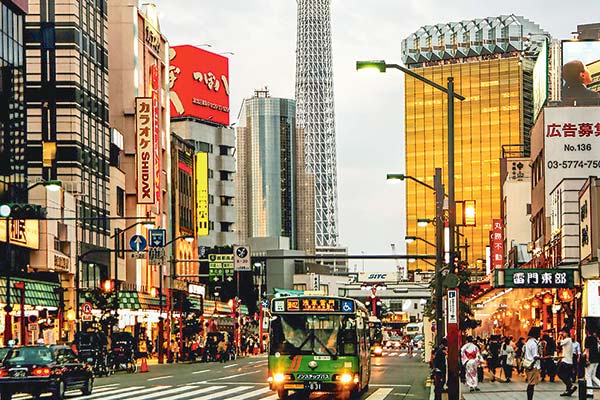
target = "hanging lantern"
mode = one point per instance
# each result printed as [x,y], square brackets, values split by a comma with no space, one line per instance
[535,302]
[509,313]
[548,299]
[526,305]
[565,295]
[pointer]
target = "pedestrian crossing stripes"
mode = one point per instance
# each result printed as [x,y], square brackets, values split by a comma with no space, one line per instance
[192,392]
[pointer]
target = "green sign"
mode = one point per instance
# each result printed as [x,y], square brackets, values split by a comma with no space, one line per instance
[534,278]
[220,267]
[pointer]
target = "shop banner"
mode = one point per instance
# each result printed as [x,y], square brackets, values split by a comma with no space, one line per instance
[144,151]
[201,183]
[593,297]
[497,249]
[534,278]
[156,130]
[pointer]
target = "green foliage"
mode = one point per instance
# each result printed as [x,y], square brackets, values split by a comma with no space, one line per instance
[466,313]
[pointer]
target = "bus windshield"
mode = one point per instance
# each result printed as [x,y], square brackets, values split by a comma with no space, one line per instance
[327,335]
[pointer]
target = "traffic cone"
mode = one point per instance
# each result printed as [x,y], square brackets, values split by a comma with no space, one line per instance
[144,367]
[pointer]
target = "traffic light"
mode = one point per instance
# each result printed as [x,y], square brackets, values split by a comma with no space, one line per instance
[22,211]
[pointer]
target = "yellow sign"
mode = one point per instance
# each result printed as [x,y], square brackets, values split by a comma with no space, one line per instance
[23,232]
[201,180]
[318,305]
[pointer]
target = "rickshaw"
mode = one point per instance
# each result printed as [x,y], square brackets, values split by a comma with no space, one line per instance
[122,352]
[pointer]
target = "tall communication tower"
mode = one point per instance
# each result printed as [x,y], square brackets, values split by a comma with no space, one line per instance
[315,113]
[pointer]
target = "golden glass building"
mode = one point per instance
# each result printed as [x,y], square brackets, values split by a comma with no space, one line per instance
[485,58]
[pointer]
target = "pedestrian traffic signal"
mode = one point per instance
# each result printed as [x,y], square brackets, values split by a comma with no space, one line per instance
[22,211]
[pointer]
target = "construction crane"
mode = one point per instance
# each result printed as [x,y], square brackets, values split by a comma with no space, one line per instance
[399,267]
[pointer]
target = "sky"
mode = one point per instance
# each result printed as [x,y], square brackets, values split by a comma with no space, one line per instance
[368,108]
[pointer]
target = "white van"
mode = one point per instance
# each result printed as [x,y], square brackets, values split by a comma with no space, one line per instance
[414,328]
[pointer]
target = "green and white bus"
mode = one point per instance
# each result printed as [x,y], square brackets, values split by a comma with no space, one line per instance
[319,344]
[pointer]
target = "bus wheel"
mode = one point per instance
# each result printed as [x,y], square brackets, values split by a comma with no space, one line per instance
[282,394]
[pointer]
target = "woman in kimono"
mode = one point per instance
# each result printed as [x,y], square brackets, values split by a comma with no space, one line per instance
[470,358]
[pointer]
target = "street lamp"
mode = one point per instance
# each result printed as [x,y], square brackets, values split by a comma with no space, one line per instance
[411,239]
[381,66]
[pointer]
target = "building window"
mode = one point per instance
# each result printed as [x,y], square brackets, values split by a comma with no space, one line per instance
[226,200]
[299,286]
[324,289]
[204,147]
[225,176]
[226,226]
[120,201]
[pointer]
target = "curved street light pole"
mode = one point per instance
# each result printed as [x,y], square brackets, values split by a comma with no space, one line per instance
[453,333]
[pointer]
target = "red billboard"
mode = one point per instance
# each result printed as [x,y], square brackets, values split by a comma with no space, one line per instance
[199,83]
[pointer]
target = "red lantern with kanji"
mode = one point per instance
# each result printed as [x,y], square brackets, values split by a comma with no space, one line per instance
[565,295]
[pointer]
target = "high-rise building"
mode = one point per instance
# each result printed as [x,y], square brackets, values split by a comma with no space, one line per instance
[199,98]
[315,114]
[139,55]
[68,133]
[13,144]
[268,154]
[484,56]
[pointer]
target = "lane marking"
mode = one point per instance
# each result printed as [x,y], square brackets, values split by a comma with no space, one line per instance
[225,393]
[235,376]
[200,372]
[163,393]
[134,393]
[92,396]
[393,354]
[109,385]
[251,394]
[160,377]
[193,393]
[379,394]
[273,397]
[254,384]
[231,365]
[388,386]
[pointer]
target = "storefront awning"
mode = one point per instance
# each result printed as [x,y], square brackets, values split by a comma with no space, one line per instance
[37,293]
[129,300]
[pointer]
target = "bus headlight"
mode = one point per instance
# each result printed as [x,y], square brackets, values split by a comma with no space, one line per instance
[346,378]
[278,377]
[378,350]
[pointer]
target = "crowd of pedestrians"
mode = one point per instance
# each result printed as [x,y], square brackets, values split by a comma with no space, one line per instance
[537,357]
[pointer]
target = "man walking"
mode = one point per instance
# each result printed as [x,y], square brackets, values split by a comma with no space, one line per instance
[590,351]
[565,368]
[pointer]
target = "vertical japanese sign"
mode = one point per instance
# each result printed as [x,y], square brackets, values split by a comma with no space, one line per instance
[156,129]
[201,181]
[497,244]
[144,151]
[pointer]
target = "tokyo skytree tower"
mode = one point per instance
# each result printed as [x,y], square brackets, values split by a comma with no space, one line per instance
[315,113]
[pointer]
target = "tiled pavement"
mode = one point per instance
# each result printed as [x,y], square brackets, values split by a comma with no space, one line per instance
[515,390]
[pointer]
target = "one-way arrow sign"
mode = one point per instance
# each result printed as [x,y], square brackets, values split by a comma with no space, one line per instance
[137,243]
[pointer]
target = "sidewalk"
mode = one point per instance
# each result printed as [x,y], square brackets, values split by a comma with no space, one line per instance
[515,390]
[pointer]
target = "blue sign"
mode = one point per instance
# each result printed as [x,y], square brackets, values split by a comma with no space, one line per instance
[347,306]
[265,303]
[137,243]
[158,237]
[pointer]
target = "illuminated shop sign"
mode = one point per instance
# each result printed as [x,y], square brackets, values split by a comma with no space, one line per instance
[534,278]
[145,162]
[23,232]
[313,304]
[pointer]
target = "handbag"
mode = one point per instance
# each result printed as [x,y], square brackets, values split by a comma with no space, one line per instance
[527,364]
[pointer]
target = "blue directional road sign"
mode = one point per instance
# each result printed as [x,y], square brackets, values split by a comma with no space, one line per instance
[138,243]
[158,237]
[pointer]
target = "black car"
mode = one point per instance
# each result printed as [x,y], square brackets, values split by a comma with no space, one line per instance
[39,369]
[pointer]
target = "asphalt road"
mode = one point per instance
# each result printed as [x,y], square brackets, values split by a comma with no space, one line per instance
[394,376]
